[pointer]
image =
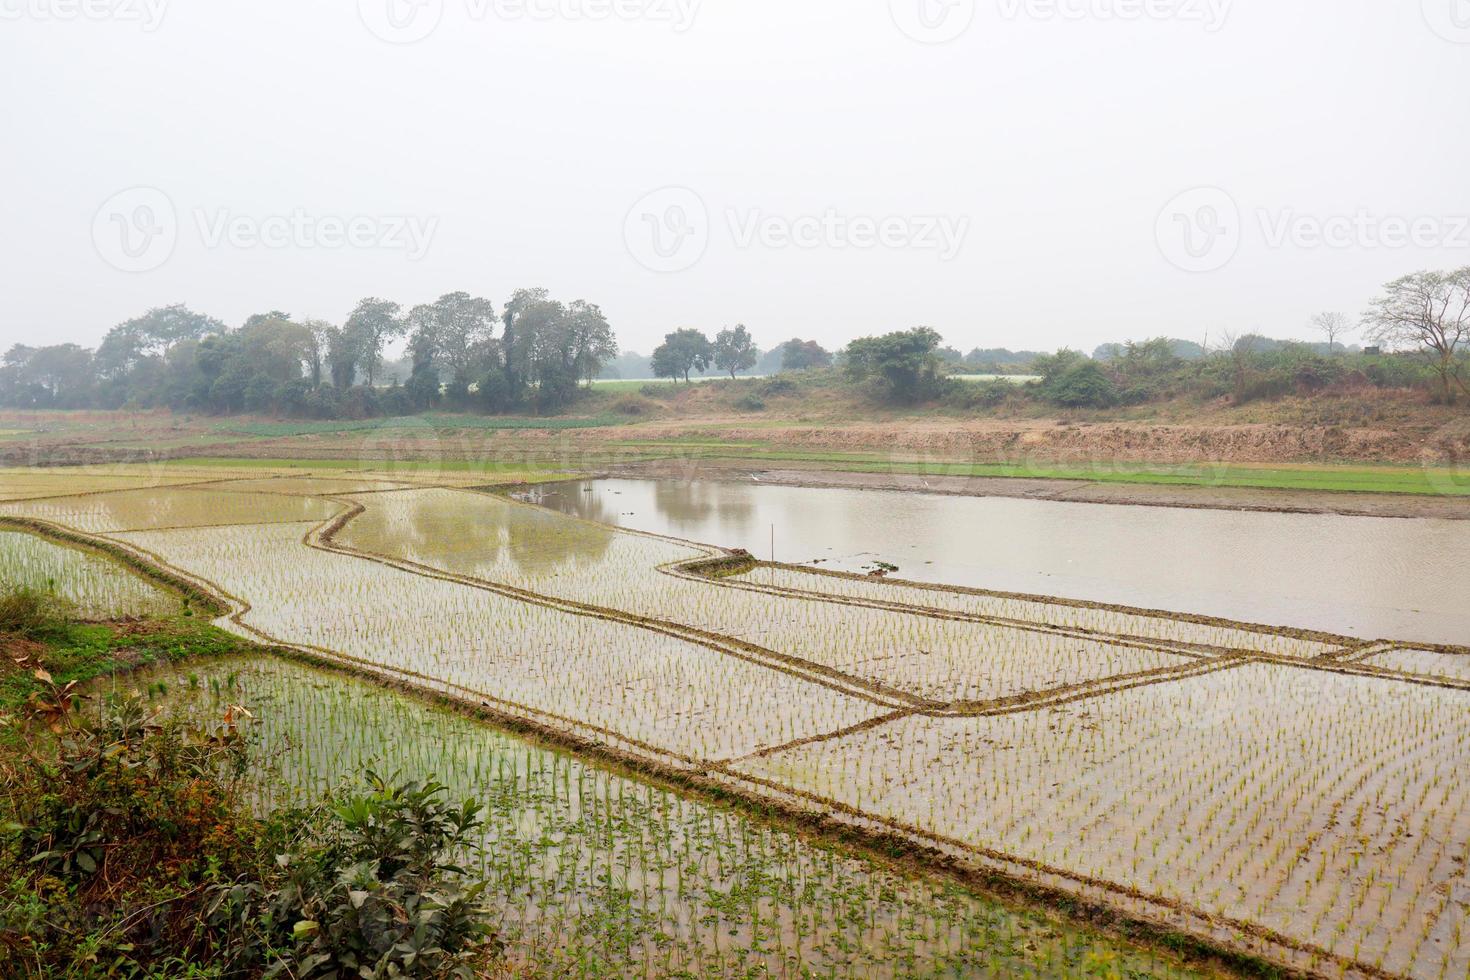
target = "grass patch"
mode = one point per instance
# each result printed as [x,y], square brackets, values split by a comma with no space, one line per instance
[417,422]
[1357,478]
[83,651]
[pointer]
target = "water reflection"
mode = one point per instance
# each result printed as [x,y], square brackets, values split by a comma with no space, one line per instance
[1368,577]
[532,542]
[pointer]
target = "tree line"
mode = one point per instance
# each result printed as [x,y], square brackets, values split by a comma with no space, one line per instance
[535,353]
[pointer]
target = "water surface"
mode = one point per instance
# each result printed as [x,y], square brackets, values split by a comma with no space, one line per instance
[1361,576]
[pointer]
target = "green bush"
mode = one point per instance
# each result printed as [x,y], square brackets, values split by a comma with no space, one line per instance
[127,849]
[749,403]
[1084,385]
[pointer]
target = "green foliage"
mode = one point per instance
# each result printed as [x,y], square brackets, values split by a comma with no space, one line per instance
[681,353]
[367,887]
[904,367]
[803,355]
[128,849]
[734,351]
[1083,385]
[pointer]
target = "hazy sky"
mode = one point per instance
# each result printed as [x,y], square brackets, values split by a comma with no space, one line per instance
[1055,172]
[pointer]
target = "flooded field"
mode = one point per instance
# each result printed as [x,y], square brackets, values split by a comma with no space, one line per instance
[602,875]
[1294,793]
[1362,576]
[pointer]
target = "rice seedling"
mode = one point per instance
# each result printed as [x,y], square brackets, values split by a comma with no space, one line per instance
[96,587]
[601,875]
[1426,663]
[169,507]
[609,680]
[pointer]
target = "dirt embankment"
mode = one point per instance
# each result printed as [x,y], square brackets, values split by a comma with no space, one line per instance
[1060,440]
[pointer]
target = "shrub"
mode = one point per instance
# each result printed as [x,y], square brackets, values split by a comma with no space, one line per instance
[1083,385]
[127,849]
[778,385]
[634,405]
[749,403]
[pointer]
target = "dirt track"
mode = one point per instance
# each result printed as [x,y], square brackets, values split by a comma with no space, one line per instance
[1078,491]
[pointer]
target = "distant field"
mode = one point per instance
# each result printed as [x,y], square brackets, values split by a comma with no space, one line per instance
[1359,479]
[1434,481]
[418,422]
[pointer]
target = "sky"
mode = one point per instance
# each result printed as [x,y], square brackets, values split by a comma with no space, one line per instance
[1014,173]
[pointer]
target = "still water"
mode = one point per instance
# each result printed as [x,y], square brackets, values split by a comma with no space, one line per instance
[1362,576]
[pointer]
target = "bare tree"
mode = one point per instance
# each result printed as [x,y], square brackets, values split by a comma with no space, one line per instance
[1428,312]
[1333,326]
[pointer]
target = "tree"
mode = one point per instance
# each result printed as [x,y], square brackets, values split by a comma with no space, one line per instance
[734,351]
[372,324]
[904,364]
[681,352]
[1430,312]
[516,340]
[319,342]
[804,355]
[49,377]
[344,352]
[1332,326]
[455,333]
[592,339]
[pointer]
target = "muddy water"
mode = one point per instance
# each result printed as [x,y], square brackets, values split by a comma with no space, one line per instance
[1361,576]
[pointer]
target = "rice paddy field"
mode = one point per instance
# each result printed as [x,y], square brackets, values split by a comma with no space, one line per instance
[601,874]
[1292,794]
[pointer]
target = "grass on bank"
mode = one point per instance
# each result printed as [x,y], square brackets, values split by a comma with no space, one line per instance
[1355,478]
